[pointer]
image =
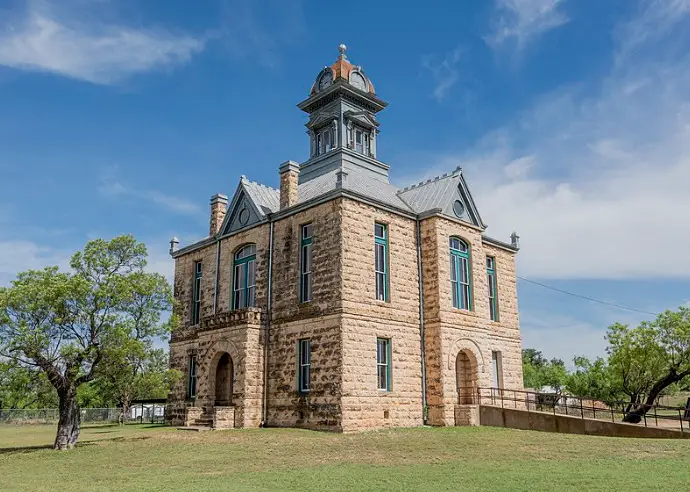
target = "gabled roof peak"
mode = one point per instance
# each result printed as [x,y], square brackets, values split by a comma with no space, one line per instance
[246,181]
[457,171]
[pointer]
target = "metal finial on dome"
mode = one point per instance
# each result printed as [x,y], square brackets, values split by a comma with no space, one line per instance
[342,48]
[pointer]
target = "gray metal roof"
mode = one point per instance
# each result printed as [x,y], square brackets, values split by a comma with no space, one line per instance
[266,199]
[355,182]
[441,193]
[432,193]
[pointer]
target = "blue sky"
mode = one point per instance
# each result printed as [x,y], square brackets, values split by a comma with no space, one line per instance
[571,120]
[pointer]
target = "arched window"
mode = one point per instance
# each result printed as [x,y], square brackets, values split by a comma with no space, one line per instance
[244,279]
[460,274]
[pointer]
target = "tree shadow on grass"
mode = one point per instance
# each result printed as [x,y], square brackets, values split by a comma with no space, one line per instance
[33,449]
[81,444]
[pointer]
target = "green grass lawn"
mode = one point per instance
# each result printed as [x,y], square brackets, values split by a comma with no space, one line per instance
[159,458]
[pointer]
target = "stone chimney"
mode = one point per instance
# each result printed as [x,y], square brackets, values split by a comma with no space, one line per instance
[289,174]
[219,207]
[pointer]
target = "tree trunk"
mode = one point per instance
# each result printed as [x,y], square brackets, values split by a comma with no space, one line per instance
[124,412]
[639,410]
[69,424]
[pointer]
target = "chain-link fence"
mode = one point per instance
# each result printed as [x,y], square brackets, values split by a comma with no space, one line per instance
[138,413]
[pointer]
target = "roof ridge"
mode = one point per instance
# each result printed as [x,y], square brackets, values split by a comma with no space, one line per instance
[457,170]
[247,180]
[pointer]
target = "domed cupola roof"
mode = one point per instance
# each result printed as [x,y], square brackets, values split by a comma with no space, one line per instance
[343,70]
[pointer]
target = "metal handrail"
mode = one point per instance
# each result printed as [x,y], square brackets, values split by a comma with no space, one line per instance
[580,406]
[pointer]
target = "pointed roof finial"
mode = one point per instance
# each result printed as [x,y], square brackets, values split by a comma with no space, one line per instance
[342,48]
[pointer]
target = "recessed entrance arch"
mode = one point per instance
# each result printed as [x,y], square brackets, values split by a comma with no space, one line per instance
[224,379]
[467,377]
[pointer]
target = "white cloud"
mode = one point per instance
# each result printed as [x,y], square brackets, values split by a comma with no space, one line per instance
[179,205]
[655,20]
[596,182]
[76,46]
[522,21]
[444,72]
[20,255]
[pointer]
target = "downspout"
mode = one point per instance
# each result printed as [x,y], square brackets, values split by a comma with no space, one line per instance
[267,333]
[216,284]
[421,319]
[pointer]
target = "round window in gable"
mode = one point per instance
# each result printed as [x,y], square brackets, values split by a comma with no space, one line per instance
[244,216]
[458,208]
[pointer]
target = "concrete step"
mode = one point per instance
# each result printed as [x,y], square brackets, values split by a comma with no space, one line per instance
[195,428]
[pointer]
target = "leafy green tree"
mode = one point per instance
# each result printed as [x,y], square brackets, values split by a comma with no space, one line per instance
[650,359]
[65,323]
[539,371]
[24,387]
[593,379]
[132,370]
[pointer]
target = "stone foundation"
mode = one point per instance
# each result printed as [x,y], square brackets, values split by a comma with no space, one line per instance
[191,415]
[223,417]
[467,415]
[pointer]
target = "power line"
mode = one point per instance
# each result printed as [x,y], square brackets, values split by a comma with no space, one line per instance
[579,296]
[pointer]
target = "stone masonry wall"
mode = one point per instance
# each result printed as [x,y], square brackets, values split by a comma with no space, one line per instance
[317,320]
[244,344]
[450,331]
[184,284]
[365,319]
[320,408]
[258,235]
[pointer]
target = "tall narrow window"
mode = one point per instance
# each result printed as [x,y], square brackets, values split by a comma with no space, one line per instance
[493,293]
[304,364]
[359,141]
[244,280]
[305,263]
[366,144]
[191,378]
[383,363]
[196,294]
[381,261]
[460,274]
[328,136]
[319,151]
[496,370]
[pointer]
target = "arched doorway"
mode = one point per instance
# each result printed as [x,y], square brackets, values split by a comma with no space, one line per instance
[466,373]
[224,375]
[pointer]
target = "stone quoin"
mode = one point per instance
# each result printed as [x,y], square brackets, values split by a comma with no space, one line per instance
[340,302]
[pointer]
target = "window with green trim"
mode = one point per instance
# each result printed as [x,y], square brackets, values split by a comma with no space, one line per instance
[196,294]
[305,263]
[191,378]
[244,280]
[493,292]
[383,363]
[303,365]
[381,261]
[460,274]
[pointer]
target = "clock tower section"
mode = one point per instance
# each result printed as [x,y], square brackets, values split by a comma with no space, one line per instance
[342,128]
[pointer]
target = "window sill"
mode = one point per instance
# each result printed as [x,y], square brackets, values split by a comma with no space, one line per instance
[464,311]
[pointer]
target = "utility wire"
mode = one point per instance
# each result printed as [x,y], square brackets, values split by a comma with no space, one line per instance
[619,306]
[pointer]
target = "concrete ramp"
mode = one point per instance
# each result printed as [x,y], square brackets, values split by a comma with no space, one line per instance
[548,422]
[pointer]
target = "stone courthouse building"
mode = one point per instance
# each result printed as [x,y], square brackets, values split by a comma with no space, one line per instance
[340,302]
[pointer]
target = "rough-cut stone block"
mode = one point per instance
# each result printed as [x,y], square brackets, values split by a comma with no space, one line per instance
[223,417]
